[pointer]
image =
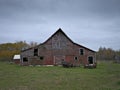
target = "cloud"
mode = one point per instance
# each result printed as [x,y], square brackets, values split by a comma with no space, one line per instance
[92,23]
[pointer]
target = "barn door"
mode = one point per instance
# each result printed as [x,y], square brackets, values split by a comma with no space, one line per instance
[58,59]
[90,60]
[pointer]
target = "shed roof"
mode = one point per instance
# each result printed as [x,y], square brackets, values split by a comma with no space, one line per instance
[16,57]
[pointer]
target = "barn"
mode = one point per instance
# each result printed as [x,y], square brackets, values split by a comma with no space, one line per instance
[56,49]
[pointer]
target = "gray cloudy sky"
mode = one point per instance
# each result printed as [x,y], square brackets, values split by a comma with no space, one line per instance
[92,23]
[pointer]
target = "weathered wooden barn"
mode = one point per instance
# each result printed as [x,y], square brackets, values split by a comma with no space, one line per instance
[56,49]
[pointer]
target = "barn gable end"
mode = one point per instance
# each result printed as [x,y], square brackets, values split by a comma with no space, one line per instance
[56,49]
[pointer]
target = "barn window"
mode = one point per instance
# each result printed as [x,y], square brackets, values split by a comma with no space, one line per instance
[81,51]
[90,60]
[75,58]
[35,52]
[25,59]
[41,57]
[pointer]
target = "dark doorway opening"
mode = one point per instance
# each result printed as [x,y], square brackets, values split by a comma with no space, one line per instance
[25,59]
[35,52]
[90,60]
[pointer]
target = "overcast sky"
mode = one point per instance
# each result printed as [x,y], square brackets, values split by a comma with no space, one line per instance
[91,23]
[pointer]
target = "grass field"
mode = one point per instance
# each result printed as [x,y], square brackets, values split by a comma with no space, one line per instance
[105,77]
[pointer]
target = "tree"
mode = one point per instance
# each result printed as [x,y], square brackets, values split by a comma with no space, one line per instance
[8,50]
[106,54]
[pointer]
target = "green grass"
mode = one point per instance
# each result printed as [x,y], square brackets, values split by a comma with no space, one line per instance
[105,77]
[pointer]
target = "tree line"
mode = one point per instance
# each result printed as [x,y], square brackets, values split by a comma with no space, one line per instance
[108,54]
[8,50]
